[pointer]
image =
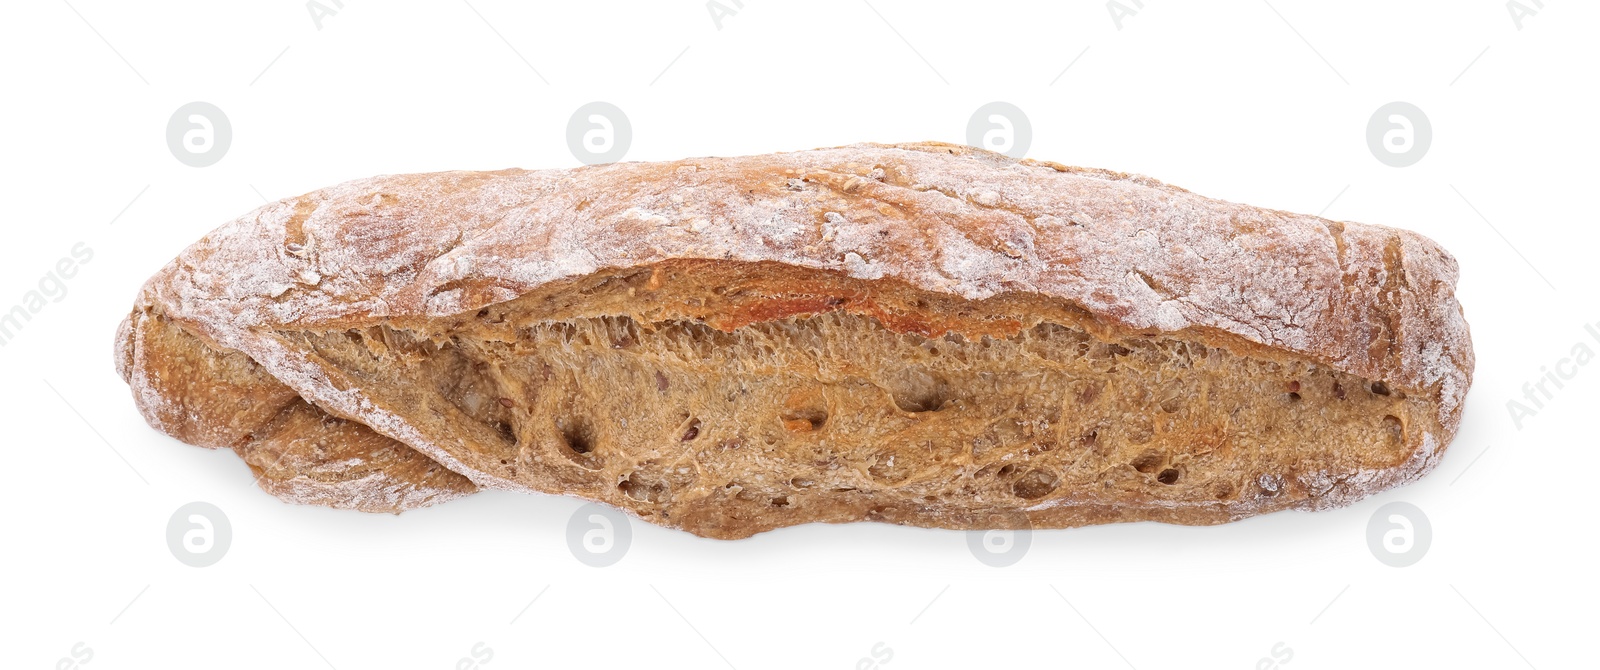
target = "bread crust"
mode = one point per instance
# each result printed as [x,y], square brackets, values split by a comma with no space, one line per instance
[1125,254]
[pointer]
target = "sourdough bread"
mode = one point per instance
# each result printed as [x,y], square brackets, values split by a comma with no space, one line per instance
[923,334]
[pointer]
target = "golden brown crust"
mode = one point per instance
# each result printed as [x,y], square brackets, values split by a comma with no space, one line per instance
[1114,253]
[219,398]
[306,456]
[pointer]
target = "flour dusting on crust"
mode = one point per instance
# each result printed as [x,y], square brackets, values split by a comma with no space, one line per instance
[1137,254]
[1368,300]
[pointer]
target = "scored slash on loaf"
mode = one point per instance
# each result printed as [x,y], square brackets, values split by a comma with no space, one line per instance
[921,334]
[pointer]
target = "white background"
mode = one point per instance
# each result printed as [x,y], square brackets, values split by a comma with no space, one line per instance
[1226,99]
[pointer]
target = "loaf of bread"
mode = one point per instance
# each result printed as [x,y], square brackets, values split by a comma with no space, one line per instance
[923,334]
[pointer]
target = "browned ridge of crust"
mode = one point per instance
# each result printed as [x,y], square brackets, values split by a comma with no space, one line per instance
[924,334]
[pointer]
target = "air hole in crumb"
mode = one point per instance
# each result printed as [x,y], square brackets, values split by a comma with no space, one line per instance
[1035,484]
[802,483]
[640,488]
[1380,388]
[917,390]
[803,420]
[805,409]
[579,440]
[1168,476]
[578,443]
[1108,350]
[1147,462]
[1007,470]
[506,432]
[780,502]
[1396,430]
[1294,397]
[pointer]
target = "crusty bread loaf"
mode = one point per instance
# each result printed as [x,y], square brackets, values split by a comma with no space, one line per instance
[923,334]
